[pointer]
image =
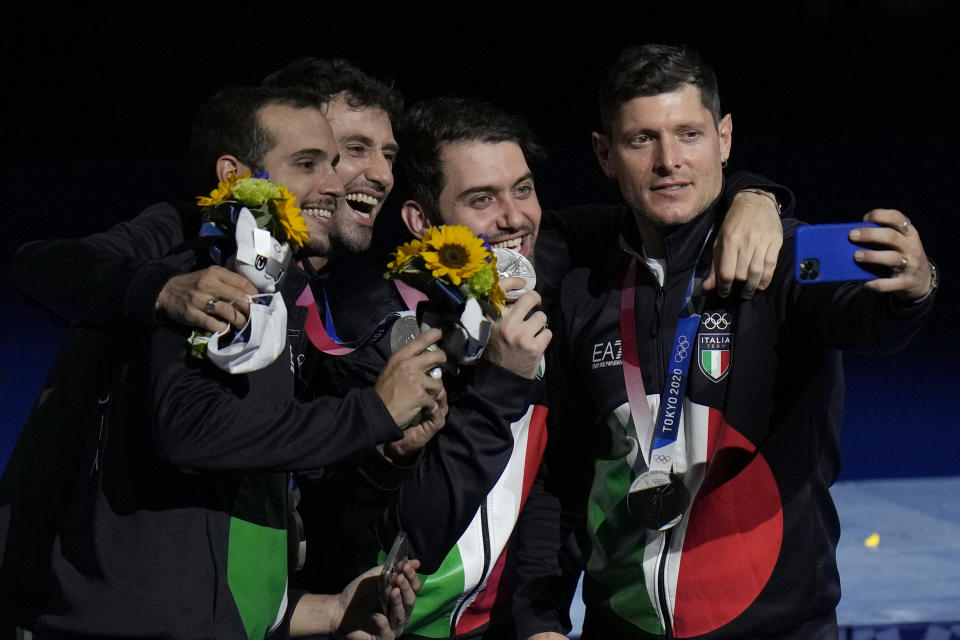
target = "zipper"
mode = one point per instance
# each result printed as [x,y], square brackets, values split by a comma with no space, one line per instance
[468,597]
[656,331]
[662,585]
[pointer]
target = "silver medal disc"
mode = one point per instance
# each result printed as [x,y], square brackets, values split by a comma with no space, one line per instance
[403,331]
[512,264]
[658,500]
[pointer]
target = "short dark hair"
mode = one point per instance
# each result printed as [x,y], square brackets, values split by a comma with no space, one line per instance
[427,126]
[652,69]
[229,123]
[330,77]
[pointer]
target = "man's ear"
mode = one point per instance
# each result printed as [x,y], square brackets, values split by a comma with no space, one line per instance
[725,129]
[415,218]
[601,148]
[227,165]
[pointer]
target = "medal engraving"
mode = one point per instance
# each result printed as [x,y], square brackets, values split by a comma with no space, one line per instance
[404,329]
[512,264]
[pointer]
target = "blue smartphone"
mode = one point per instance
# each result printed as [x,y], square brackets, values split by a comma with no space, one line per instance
[824,253]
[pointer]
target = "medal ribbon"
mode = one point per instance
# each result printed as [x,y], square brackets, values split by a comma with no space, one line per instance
[409,295]
[667,426]
[323,333]
[315,328]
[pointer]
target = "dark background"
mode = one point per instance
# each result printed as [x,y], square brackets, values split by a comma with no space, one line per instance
[846,104]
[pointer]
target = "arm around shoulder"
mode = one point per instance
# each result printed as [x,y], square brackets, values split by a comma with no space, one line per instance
[105,277]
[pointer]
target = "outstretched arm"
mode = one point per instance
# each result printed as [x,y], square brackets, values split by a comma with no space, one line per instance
[135,270]
[748,241]
[877,316]
[105,277]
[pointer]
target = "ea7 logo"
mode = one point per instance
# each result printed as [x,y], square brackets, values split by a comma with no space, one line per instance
[606,354]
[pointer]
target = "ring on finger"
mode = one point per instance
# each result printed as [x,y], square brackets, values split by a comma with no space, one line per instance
[904,262]
[905,227]
[211,305]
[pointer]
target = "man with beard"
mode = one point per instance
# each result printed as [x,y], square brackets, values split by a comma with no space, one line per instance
[698,436]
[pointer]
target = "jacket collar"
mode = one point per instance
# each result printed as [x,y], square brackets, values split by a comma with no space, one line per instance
[681,245]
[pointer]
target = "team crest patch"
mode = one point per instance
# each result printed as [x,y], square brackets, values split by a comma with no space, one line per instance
[713,346]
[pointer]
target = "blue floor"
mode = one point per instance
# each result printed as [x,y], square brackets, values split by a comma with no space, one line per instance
[907,587]
[911,579]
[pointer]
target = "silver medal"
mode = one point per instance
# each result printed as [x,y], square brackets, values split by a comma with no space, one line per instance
[403,331]
[512,264]
[658,499]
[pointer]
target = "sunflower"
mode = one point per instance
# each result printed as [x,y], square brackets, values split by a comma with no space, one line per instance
[403,254]
[456,252]
[289,216]
[223,191]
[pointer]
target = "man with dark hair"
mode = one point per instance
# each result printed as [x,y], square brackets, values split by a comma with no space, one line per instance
[652,69]
[340,77]
[235,124]
[431,125]
[697,436]
[178,527]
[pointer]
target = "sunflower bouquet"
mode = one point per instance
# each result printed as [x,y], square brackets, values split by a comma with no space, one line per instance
[277,228]
[450,258]
[253,226]
[458,273]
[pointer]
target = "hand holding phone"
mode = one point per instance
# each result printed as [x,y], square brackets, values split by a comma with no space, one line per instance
[885,251]
[399,553]
[824,253]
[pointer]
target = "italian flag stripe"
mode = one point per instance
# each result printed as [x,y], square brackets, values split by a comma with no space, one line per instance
[257,573]
[715,362]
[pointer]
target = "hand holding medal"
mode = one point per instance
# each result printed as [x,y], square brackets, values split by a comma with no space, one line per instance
[513,264]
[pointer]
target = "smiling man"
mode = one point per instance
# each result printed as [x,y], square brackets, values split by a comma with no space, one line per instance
[488,187]
[361,110]
[697,436]
[665,163]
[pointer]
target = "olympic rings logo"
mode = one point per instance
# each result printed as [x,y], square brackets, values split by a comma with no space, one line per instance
[661,459]
[683,345]
[716,321]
